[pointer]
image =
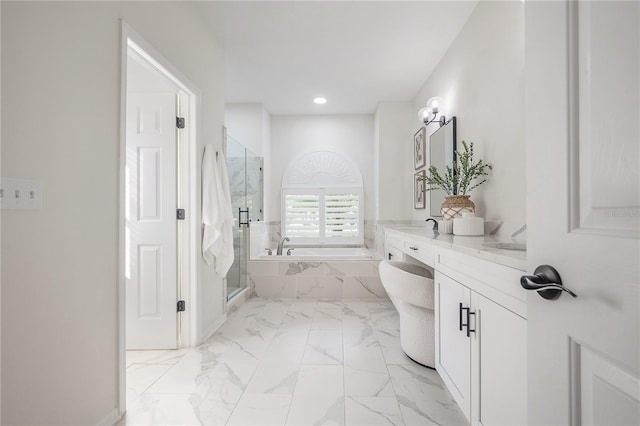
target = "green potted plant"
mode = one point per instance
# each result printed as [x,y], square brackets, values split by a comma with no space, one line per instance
[465,175]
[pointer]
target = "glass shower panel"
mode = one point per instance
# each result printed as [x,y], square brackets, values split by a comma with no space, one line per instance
[236,169]
[254,186]
[246,185]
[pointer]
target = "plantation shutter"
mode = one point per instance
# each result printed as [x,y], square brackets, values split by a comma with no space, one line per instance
[342,215]
[323,215]
[302,215]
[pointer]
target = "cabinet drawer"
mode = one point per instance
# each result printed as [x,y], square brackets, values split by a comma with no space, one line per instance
[496,282]
[421,252]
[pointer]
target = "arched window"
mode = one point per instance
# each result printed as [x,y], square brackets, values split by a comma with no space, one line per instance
[322,200]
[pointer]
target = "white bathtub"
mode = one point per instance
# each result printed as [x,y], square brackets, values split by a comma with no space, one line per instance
[317,273]
[322,253]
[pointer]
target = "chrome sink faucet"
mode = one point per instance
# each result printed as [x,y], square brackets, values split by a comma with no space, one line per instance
[280,245]
[435,225]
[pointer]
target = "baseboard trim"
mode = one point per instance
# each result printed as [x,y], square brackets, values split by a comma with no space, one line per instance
[111,418]
[212,329]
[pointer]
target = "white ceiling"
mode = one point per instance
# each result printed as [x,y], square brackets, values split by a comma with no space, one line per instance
[356,54]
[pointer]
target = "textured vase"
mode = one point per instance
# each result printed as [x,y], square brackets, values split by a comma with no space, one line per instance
[455,205]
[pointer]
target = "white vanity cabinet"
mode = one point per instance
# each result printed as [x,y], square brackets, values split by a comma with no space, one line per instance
[396,245]
[481,327]
[481,310]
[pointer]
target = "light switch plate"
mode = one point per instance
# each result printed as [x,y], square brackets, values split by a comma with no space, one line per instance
[20,194]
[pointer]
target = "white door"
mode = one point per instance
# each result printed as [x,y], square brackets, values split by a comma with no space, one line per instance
[583,197]
[151,229]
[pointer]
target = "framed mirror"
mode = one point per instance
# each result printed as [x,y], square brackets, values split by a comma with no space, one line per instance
[442,153]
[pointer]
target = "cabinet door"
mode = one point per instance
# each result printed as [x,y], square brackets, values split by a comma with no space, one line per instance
[454,347]
[501,345]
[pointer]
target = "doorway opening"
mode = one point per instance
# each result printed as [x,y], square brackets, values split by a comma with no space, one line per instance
[158,240]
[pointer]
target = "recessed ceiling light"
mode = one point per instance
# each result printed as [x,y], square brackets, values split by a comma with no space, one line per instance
[319,100]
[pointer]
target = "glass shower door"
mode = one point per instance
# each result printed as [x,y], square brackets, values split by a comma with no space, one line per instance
[246,183]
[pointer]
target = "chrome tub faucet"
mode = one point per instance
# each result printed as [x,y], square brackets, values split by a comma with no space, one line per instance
[280,245]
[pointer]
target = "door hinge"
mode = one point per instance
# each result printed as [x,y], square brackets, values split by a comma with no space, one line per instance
[181,305]
[180,122]
[180,214]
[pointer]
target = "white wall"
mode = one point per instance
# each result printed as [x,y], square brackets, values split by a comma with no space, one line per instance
[250,124]
[481,81]
[245,124]
[394,150]
[61,110]
[0,217]
[292,136]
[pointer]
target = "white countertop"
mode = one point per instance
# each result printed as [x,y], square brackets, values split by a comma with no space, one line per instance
[468,245]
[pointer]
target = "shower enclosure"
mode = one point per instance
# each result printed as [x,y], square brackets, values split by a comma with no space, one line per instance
[246,184]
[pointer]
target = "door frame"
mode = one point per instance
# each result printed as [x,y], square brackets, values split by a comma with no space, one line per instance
[189,96]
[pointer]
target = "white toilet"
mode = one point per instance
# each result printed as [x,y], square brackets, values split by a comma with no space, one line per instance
[410,288]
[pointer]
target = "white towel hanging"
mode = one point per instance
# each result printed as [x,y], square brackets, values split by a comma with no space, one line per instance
[225,257]
[217,217]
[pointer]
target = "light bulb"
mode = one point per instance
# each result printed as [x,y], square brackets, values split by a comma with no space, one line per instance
[319,100]
[424,113]
[434,104]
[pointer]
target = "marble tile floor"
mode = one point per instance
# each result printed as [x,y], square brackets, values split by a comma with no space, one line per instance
[291,362]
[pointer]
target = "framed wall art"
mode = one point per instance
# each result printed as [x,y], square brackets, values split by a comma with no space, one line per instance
[418,190]
[419,155]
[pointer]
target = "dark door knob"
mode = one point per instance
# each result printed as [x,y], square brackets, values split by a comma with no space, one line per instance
[546,281]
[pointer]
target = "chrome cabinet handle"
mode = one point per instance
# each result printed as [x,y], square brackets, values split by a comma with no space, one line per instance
[546,281]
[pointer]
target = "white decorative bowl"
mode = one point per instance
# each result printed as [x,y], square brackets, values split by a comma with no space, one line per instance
[468,224]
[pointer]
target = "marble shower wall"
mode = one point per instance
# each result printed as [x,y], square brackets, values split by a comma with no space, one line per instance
[236,169]
[245,183]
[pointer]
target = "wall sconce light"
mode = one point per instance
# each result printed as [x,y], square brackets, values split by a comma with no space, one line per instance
[429,113]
